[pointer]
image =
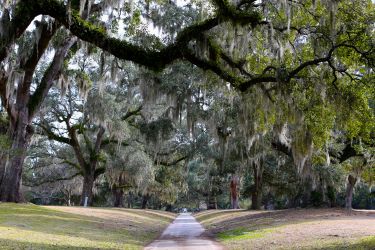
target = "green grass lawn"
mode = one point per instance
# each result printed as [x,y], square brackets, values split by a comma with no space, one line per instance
[26,226]
[291,229]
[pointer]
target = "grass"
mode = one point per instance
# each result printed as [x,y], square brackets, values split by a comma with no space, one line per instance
[363,243]
[26,226]
[208,216]
[243,233]
[291,229]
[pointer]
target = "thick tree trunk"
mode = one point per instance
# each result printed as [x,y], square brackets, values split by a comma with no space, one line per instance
[256,199]
[88,184]
[118,195]
[3,152]
[349,191]
[145,201]
[234,197]
[23,110]
[256,196]
[12,173]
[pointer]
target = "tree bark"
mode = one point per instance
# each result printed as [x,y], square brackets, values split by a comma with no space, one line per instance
[88,184]
[20,134]
[3,153]
[145,201]
[234,192]
[3,161]
[118,195]
[349,191]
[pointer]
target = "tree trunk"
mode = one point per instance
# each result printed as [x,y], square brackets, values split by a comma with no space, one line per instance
[145,201]
[12,173]
[256,196]
[256,200]
[349,191]
[234,192]
[212,202]
[3,161]
[3,152]
[88,184]
[130,200]
[118,195]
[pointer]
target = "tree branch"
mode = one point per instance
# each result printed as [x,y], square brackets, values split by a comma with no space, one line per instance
[49,76]
[153,59]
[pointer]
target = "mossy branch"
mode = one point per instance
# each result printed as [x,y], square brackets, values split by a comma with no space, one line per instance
[153,59]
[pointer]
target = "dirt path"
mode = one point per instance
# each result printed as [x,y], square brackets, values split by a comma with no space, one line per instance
[184,233]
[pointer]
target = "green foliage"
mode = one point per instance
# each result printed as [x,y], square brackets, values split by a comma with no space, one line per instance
[316,198]
[243,234]
[157,130]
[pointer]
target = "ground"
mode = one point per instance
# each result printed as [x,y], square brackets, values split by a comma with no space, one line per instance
[185,233]
[27,226]
[291,229]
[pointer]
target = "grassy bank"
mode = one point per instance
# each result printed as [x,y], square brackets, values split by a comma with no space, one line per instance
[291,229]
[26,226]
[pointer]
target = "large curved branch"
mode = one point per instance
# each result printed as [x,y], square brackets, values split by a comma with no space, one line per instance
[47,180]
[154,59]
[158,59]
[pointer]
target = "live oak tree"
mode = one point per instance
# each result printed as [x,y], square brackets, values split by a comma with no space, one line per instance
[303,47]
[360,166]
[88,127]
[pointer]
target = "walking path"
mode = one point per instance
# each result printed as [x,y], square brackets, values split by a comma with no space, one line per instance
[184,233]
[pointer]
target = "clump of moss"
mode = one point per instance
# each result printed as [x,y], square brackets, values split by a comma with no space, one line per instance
[157,130]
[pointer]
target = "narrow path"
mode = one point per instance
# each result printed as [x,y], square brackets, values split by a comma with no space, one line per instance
[184,233]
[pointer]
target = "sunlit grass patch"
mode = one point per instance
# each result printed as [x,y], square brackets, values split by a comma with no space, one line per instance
[27,226]
[243,234]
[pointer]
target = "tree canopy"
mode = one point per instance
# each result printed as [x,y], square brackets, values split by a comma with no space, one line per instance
[167,101]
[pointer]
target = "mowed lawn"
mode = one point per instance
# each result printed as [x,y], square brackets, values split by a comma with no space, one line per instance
[291,229]
[27,226]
